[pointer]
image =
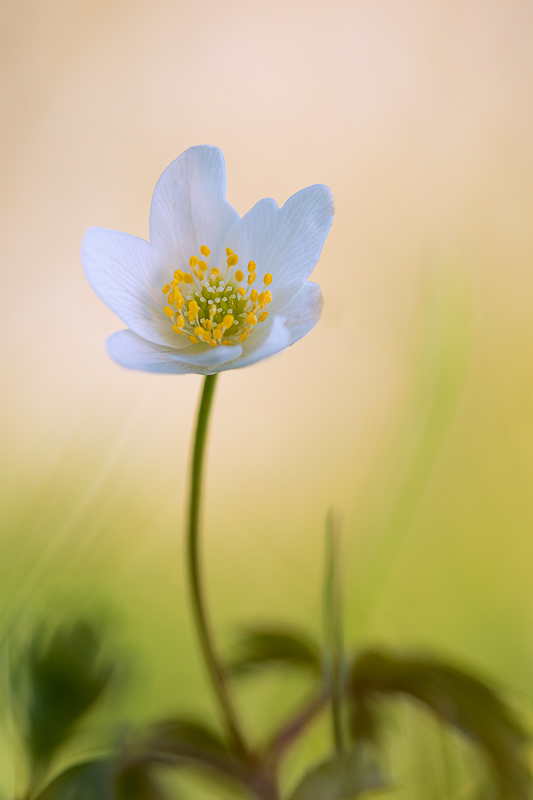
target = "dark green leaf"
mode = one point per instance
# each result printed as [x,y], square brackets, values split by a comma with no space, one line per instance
[65,677]
[188,741]
[91,781]
[341,777]
[258,648]
[104,780]
[455,697]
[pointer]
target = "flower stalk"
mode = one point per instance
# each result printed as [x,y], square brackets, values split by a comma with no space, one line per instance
[197,595]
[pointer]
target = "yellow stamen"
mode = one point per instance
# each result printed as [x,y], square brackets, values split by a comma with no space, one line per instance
[198,331]
[227,322]
[268,296]
[180,301]
[212,311]
[263,316]
[193,339]
[217,333]
[208,325]
[176,328]
[199,274]
[180,321]
[204,250]
[168,311]
[250,319]
[262,299]
[188,277]
[193,310]
[233,260]
[179,275]
[202,265]
[243,337]
[215,271]
[213,342]
[254,295]
[242,291]
[239,275]
[166,288]
[229,251]
[193,261]
[267,279]
[251,278]
[225,341]
[251,266]
[206,336]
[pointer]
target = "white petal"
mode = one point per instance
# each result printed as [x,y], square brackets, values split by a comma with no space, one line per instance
[189,206]
[286,241]
[275,339]
[302,312]
[133,352]
[127,273]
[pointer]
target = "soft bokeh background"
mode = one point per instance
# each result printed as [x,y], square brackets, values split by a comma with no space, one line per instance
[409,407]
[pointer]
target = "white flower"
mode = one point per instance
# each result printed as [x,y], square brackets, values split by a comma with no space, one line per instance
[211,291]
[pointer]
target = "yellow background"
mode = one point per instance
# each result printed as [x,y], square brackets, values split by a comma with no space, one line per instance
[409,407]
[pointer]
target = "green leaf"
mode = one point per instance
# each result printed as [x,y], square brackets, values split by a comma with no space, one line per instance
[266,647]
[65,677]
[90,781]
[104,780]
[455,697]
[341,777]
[191,742]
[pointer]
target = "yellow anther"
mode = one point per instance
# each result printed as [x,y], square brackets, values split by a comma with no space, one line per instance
[168,311]
[251,278]
[187,277]
[176,329]
[213,342]
[217,333]
[229,251]
[243,337]
[193,339]
[199,274]
[212,311]
[193,261]
[268,296]
[225,341]
[251,266]
[263,316]
[202,265]
[180,301]
[180,321]
[208,325]
[262,299]
[233,260]
[204,250]
[166,288]
[242,291]
[227,322]
[267,279]
[206,336]
[193,310]
[214,271]
[250,319]
[179,275]
[239,275]
[198,331]
[254,295]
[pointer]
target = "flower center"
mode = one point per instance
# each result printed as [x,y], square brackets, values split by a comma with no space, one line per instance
[206,306]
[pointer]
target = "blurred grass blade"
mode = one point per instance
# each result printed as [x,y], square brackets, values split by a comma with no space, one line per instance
[454,697]
[333,632]
[262,647]
[134,782]
[440,379]
[65,676]
[341,777]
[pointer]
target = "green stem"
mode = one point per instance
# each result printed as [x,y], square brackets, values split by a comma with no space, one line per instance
[333,629]
[203,627]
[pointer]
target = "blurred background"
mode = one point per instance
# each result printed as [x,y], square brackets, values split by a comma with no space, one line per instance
[409,407]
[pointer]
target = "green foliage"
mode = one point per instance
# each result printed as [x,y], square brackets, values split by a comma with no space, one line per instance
[262,647]
[456,698]
[64,678]
[104,780]
[341,777]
